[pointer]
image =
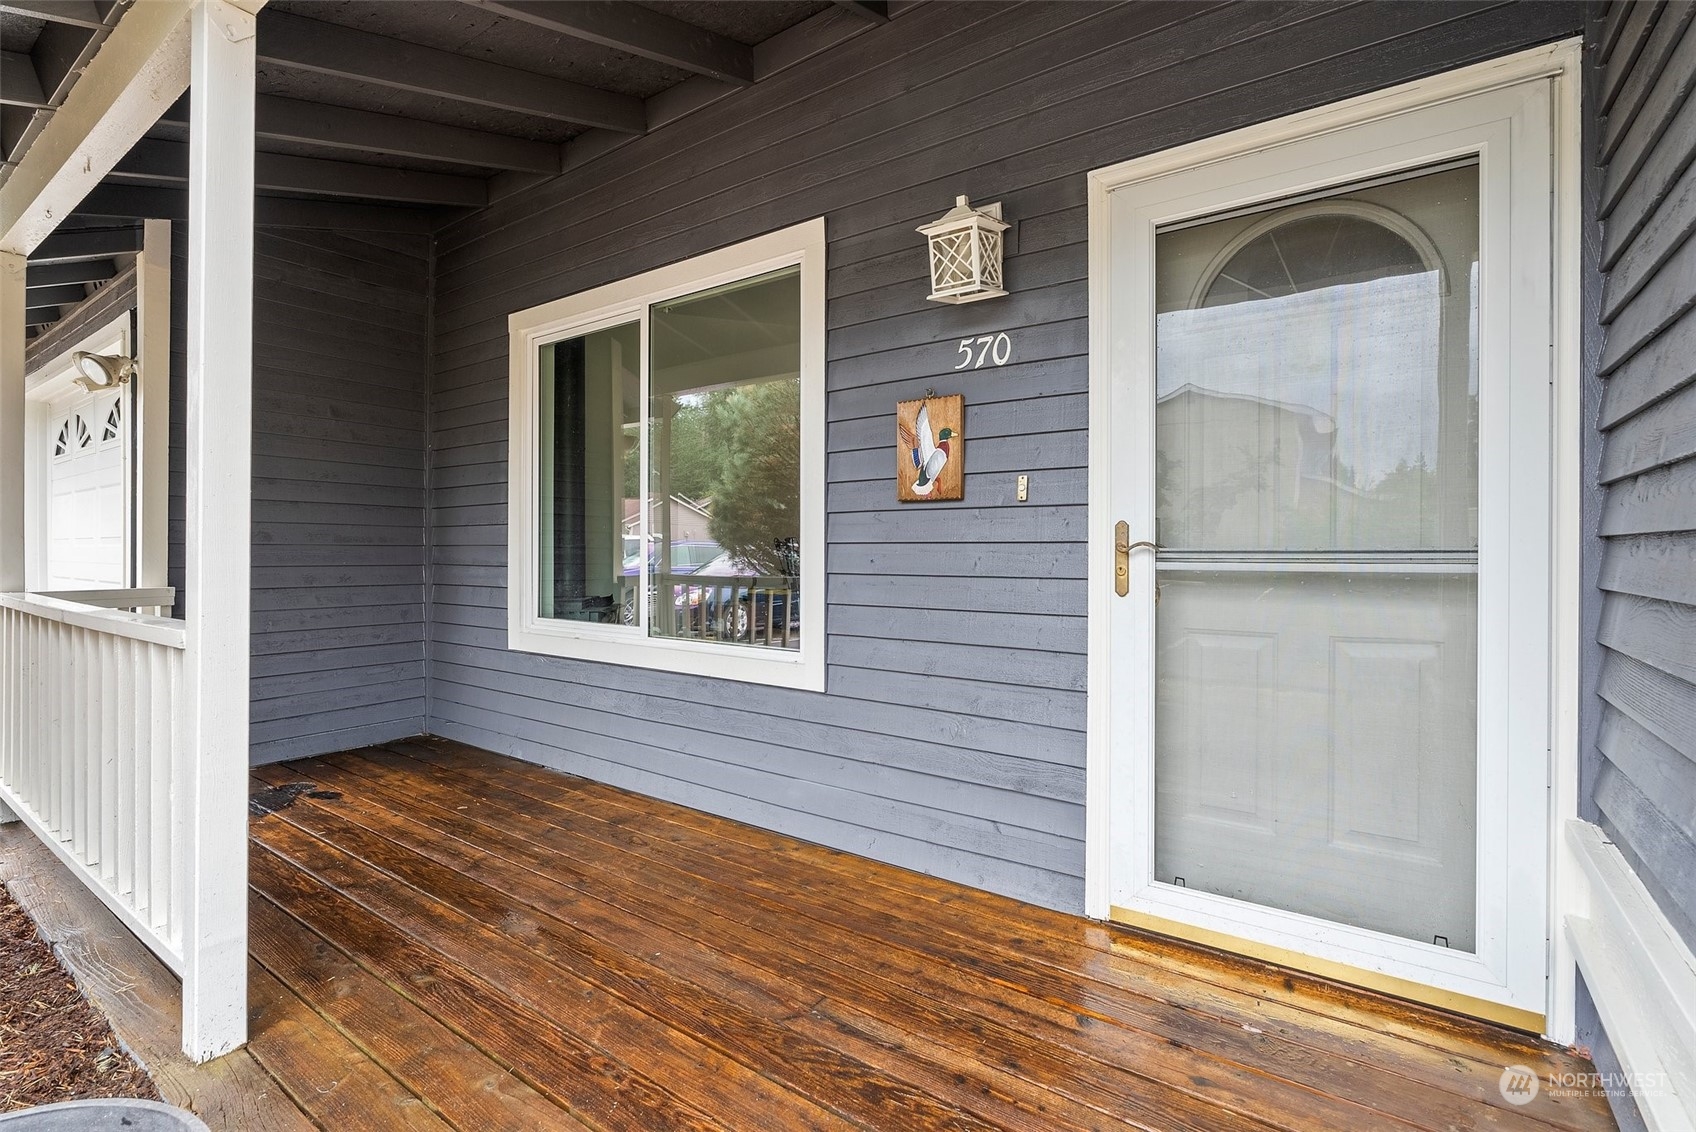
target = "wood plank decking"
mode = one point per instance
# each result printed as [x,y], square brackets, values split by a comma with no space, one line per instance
[444,938]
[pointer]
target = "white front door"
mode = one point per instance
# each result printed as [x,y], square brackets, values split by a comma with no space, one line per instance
[1325,663]
[88,521]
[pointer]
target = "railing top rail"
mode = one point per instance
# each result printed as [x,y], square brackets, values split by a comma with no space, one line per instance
[135,626]
[116,599]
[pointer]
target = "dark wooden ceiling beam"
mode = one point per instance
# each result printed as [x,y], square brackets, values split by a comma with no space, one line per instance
[77,13]
[782,51]
[19,84]
[636,30]
[313,45]
[68,294]
[118,201]
[155,160]
[339,127]
[14,121]
[38,275]
[61,52]
[42,315]
[85,244]
[872,11]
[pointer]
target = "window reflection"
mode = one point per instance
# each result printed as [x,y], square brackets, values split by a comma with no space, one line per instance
[589,420]
[1319,393]
[724,420]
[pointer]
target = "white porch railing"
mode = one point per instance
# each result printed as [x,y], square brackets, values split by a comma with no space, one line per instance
[155,601]
[89,736]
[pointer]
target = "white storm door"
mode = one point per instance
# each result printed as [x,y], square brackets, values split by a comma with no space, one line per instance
[88,513]
[1327,680]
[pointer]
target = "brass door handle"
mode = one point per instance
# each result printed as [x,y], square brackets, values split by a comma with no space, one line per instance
[1122,547]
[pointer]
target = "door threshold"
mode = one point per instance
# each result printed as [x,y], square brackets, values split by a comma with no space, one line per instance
[1483,1009]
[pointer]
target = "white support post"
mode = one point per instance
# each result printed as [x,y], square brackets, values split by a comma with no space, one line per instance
[153,405]
[220,437]
[11,435]
[11,422]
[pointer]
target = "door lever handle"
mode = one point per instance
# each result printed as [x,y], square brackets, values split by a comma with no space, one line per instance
[1122,547]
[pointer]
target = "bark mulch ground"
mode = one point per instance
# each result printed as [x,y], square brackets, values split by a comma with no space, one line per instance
[54,1046]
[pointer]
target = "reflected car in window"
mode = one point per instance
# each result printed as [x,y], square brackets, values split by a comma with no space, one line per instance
[746,605]
[686,558]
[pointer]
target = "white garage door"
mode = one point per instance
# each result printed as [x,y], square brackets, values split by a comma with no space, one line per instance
[88,511]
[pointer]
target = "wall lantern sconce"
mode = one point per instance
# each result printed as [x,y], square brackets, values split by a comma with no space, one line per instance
[965,253]
[102,371]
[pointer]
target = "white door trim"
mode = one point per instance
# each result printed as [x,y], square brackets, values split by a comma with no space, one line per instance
[1558,64]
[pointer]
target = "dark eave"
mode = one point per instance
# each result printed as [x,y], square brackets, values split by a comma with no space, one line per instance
[872,11]
[81,244]
[113,203]
[375,60]
[75,271]
[638,31]
[19,85]
[387,117]
[361,131]
[154,161]
[35,81]
[76,13]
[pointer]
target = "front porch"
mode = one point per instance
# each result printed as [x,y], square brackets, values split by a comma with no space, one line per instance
[441,937]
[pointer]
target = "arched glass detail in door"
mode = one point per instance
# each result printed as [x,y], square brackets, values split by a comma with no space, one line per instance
[1317,501]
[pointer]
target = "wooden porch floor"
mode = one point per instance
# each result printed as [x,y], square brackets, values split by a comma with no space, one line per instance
[444,938]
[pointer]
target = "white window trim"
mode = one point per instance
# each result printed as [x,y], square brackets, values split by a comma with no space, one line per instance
[629,300]
[1559,64]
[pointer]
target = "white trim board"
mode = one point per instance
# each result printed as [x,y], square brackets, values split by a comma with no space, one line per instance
[1642,977]
[152,404]
[1559,65]
[140,70]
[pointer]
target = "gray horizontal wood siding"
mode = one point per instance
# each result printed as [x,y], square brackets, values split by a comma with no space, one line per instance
[950,737]
[1643,790]
[340,334]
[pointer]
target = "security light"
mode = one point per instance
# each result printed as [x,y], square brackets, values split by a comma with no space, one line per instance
[102,371]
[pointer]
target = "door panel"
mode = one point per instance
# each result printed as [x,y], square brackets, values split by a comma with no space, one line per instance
[88,496]
[1315,746]
[1232,777]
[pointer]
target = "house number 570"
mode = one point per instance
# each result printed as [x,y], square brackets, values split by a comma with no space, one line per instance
[994,348]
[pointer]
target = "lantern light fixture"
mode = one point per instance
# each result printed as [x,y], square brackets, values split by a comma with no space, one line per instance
[102,371]
[965,253]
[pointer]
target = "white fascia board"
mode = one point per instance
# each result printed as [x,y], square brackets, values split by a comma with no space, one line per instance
[138,72]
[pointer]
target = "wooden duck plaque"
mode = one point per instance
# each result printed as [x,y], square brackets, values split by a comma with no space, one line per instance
[930,449]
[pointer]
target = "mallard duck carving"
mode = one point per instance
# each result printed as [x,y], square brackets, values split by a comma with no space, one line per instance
[930,453]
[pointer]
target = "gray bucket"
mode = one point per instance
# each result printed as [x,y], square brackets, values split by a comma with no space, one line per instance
[115,1114]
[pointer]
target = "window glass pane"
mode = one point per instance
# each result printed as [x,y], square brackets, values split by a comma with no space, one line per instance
[589,419]
[1317,377]
[724,421]
[1317,485]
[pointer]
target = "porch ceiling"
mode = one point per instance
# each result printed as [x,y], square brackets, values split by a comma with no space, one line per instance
[424,110]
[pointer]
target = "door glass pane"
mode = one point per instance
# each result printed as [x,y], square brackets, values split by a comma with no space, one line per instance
[724,420]
[1317,495]
[590,392]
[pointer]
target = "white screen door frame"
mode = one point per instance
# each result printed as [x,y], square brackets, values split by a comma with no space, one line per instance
[1517,116]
